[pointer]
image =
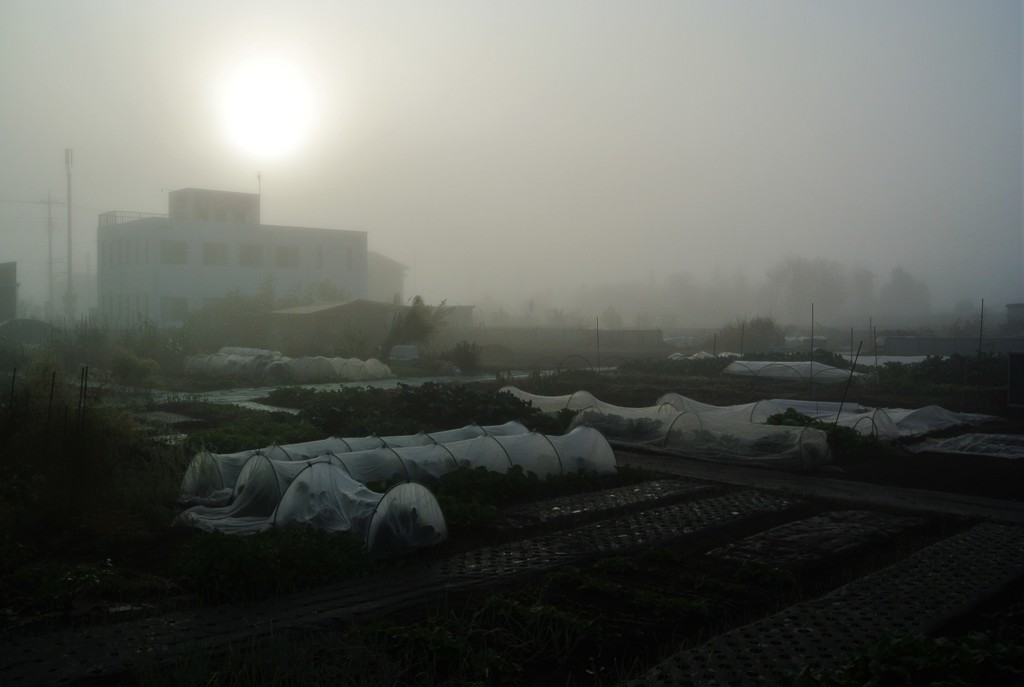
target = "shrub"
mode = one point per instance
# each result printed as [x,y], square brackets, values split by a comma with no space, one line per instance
[465,356]
[127,368]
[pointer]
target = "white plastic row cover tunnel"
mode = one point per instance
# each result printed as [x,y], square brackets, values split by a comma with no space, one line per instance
[406,519]
[1005,446]
[710,437]
[867,421]
[581,449]
[703,436]
[313,369]
[273,368]
[793,370]
[553,404]
[628,425]
[321,494]
[210,477]
[329,492]
[885,423]
[262,481]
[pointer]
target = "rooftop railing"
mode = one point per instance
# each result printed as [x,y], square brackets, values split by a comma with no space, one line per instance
[122,216]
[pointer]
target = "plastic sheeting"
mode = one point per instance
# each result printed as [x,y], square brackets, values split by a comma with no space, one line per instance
[210,477]
[793,370]
[321,494]
[885,423]
[1007,446]
[406,519]
[552,404]
[739,433]
[330,491]
[272,368]
[712,437]
[867,421]
[928,419]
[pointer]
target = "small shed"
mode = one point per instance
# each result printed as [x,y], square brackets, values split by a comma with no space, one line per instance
[355,328]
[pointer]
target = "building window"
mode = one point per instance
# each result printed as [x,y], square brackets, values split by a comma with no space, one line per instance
[173,253]
[250,255]
[288,257]
[215,254]
[173,308]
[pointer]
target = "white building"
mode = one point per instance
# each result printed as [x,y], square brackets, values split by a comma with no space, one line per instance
[157,268]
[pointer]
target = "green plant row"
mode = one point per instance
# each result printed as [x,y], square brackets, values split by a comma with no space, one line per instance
[430,407]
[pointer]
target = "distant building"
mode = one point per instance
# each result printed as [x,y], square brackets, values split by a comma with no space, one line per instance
[157,268]
[8,291]
[349,329]
[1015,315]
[385,279]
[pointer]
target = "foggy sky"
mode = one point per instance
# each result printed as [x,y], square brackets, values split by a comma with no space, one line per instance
[504,150]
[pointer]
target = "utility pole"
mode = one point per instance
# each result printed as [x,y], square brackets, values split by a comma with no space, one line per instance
[49,258]
[69,296]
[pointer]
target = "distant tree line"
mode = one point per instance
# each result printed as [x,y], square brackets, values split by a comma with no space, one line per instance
[842,295]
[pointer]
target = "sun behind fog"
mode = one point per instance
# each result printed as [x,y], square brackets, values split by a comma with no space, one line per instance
[266,106]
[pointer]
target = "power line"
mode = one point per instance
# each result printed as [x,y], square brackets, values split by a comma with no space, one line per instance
[74,206]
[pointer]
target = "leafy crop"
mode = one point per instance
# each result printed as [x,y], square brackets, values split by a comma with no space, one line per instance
[847,444]
[986,369]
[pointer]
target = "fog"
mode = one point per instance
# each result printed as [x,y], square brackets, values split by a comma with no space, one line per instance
[669,160]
